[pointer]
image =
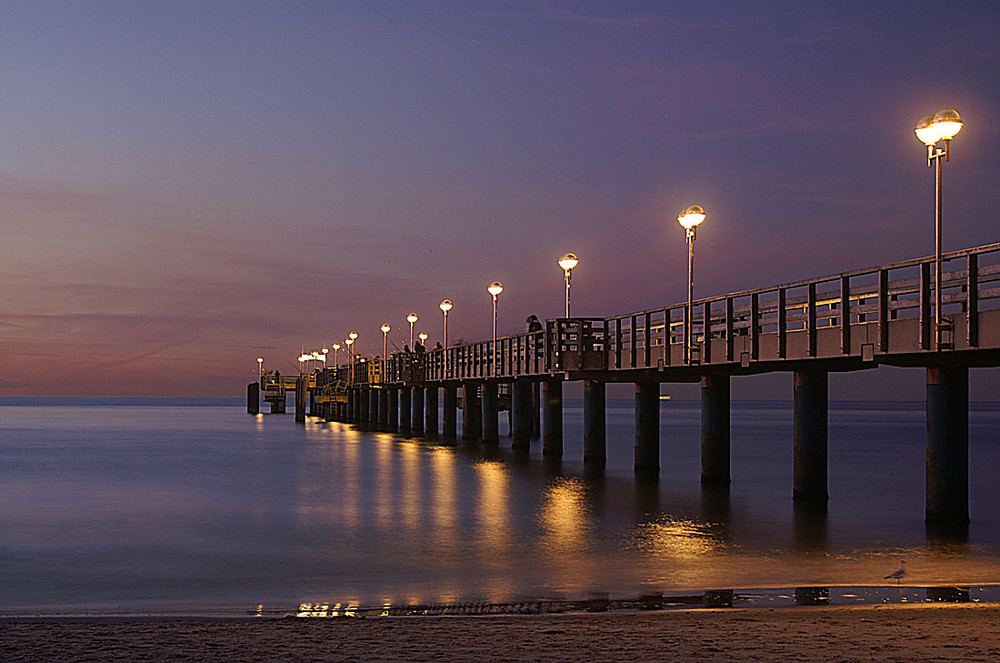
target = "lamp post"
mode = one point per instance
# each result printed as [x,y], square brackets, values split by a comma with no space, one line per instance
[931,130]
[336,356]
[423,338]
[690,219]
[411,318]
[385,340]
[495,289]
[568,262]
[350,357]
[445,306]
[260,367]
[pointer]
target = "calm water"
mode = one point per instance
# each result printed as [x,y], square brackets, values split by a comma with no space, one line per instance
[168,505]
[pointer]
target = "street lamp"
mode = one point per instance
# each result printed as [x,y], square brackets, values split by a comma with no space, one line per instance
[350,357]
[260,367]
[385,340]
[690,219]
[423,338]
[495,289]
[411,318]
[568,262]
[931,130]
[445,306]
[336,355]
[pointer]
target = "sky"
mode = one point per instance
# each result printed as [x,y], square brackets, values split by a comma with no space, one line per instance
[186,186]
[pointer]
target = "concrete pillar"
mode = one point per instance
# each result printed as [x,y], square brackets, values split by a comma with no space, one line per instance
[595,422]
[431,410]
[491,425]
[253,398]
[811,393]
[520,412]
[647,427]
[392,410]
[405,410]
[552,422]
[300,400]
[471,419]
[450,413]
[363,407]
[536,410]
[383,408]
[715,466]
[417,412]
[373,408]
[948,446]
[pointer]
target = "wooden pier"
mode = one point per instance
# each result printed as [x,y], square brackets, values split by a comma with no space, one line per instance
[851,321]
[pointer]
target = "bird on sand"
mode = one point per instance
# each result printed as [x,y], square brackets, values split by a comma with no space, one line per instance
[898,573]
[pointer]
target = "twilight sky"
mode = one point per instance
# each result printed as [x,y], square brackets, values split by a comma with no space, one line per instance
[187,185]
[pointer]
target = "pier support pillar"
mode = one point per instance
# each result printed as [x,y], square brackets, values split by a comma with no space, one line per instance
[373,407]
[392,410]
[417,411]
[253,398]
[349,406]
[715,466]
[431,410]
[552,421]
[536,410]
[948,446]
[811,395]
[449,413]
[520,408]
[300,400]
[490,408]
[472,421]
[364,402]
[647,427]
[405,410]
[594,422]
[278,405]
[383,408]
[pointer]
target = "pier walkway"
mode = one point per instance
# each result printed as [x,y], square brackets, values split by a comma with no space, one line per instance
[851,321]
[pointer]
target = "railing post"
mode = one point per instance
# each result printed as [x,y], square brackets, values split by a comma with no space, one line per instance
[845,315]
[972,300]
[755,326]
[926,319]
[730,339]
[811,319]
[782,324]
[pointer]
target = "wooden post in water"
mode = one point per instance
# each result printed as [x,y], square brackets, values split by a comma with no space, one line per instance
[520,408]
[253,398]
[431,409]
[647,427]
[300,399]
[552,421]
[383,408]
[594,422]
[392,410]
[490,410]
[472,426]
[715,465]
[450,413]
[373,407]
[948,446]
[405,410]
[811,395]
[417,411]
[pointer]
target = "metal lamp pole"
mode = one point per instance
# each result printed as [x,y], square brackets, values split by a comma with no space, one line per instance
[690,219]
[494,289]
[931,130]
[568,262]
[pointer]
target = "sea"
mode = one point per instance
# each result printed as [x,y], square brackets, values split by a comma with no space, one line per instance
[149,506]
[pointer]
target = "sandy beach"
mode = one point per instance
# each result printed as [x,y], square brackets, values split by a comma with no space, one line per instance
[849,633]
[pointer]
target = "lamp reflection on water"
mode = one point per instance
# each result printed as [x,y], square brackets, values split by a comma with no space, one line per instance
[494,526]
[677,539]
[384,448]
[564,518]
[410,502]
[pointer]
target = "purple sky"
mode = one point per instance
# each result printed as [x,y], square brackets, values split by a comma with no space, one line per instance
[185,186]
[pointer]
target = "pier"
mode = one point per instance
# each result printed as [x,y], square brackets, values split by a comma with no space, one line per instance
[898,314]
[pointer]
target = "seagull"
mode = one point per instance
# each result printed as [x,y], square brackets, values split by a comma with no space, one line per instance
[898,573]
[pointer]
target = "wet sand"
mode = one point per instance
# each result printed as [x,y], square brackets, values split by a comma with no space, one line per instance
[968,632]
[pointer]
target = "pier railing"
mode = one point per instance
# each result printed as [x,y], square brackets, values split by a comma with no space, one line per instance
[867,315]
